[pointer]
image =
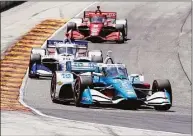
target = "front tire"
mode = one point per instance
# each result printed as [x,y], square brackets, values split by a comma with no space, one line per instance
[121,29]
[53,89]
[81,83]
[34,58]
[126,28]
[161,86]
[71,26]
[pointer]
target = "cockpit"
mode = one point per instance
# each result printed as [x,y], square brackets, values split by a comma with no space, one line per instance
[66,50]
[81,52]
[115,71]
[97,19]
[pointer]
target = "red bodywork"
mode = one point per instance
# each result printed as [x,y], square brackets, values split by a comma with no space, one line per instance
[97,31]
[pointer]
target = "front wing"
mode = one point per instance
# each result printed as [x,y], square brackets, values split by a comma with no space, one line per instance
[114,36]
[91,96]
[40,70]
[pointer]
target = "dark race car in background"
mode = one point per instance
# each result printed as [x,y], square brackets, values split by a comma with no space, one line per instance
[97,26]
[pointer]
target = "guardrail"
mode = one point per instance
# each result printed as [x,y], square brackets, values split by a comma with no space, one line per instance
[9,4]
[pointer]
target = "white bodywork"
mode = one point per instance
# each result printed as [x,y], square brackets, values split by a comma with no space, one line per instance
[63,78]
[56,56]
[121,21]
[94,53]
[40,51]
[43,72]
[96,95]
[62,58]
[158,98]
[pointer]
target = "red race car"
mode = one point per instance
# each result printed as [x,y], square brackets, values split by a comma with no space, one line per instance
[98,27]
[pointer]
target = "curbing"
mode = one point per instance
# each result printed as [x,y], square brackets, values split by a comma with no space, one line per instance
[22,88]
[14,57]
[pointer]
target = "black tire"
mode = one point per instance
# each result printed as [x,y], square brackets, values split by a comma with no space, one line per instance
[81,83]
[71,26]
[126,29]
[53,89]
[121,28]
[160,85]
[34,58]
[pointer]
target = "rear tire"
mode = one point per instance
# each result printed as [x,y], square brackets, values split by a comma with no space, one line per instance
[126,29]
[81,83]
[71,26]
[161,86]
[97,59]
[121,29]
[34,58]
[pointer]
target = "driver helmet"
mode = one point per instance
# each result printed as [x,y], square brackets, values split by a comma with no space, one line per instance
[111,71]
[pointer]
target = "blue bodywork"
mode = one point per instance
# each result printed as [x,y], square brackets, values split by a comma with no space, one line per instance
[86,97]
[40,67]
[35,67]
[122,87]
[168,95]
[120,82]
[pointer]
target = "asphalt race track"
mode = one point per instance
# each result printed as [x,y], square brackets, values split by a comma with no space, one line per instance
[155,30]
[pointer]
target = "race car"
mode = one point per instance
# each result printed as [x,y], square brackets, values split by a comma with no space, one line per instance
[89,83]
[97,26]
[43,62]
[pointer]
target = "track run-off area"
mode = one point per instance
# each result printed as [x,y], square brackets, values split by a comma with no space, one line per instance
[160,48]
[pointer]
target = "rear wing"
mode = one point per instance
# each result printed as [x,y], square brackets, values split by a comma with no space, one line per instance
[80,43]
[81,66]
[53,43]
[110,15]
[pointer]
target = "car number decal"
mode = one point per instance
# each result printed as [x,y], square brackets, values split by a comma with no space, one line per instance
[66,75]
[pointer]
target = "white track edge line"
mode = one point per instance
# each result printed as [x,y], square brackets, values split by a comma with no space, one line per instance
[35,111]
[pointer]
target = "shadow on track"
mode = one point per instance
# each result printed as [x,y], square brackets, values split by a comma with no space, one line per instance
[114,107]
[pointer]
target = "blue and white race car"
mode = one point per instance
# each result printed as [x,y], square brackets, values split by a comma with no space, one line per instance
[88,83]
[43,62]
